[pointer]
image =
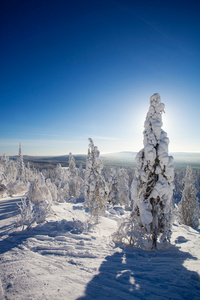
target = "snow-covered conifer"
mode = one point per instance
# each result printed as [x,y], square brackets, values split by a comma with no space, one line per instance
[81,172]
[178,185]
[123,189]
[4,162]
[72,166]
[20,164]
[95,196]
[118,191]
[112,186]
[152,188]
[75,181]
[189,206]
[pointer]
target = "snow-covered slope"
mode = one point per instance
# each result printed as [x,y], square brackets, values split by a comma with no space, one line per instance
[65,258]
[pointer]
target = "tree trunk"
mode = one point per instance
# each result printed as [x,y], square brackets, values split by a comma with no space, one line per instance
[154,229]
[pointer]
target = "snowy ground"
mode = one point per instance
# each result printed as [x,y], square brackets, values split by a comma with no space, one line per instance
[63,259]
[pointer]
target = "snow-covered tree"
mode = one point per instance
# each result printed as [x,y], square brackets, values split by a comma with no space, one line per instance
[11,171]
[4,162]
[29,173]
[118,190]
[72,166]
[37,206]
[112,187]
[178,185]
[61,179]
[38,190]
[11,177]
[20,164]
[81,172]
[123,189]
[52,188]
[75,181]
[61,175]
[189,205]
[152,187]
[95,195]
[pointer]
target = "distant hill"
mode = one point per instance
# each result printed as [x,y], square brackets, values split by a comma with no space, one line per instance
[127,159]
[119,159]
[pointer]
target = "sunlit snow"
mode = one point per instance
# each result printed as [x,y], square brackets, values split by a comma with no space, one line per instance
[66,258]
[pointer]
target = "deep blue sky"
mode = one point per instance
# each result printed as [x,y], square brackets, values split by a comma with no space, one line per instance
[77,69]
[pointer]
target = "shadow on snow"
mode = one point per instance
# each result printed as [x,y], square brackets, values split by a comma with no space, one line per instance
[130,274]
[9,208]
[138,274]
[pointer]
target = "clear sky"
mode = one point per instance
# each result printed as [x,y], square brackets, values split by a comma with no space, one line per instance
[77,69]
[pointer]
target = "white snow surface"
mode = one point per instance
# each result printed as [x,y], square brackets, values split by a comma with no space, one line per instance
[64,258]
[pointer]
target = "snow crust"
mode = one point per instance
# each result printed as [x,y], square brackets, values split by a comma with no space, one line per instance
[66,258]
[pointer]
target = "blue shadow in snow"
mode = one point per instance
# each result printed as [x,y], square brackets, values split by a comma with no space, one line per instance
[9,208]
[139,274]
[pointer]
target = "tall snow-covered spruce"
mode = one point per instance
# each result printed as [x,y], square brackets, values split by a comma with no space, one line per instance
[152,188]
[95,195]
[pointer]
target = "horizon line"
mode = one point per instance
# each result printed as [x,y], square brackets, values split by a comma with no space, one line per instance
[101,153]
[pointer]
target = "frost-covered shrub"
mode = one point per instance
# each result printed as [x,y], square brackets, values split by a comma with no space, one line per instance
[52,188]
[61,179]
[38,190]
[60,175]
[26,214]
[38,203]
[132,233]
[8,175]
[3,190]
[17,187]
[4,163]
[189,205]
[11,171]
[29,173]
[152,187]
[95,195]
[15,175]
[32,213]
